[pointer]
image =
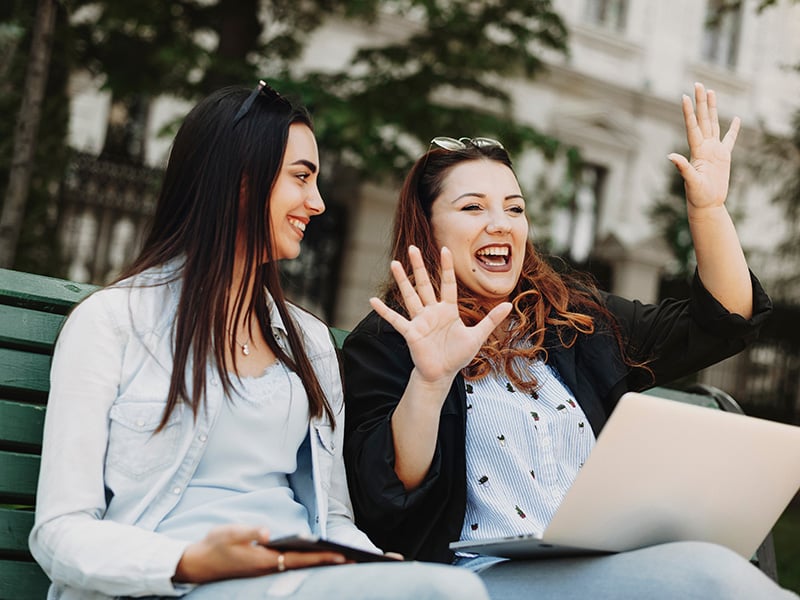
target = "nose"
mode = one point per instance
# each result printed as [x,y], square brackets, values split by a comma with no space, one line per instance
[314,202]
[499,222]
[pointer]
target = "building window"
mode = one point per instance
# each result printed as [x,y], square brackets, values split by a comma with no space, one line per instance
[574,225]
[609,14]
[721,33]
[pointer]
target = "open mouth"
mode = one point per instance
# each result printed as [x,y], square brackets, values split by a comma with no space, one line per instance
[494,257]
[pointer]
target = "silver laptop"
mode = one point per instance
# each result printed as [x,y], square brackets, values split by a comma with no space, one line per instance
[665,471]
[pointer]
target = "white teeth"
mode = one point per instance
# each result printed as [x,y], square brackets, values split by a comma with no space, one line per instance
[494,251]
[299,224]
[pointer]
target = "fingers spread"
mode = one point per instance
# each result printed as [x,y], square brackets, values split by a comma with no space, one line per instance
[421,280]
[712,113]
[693,133]
[679,161]
[407,291]
[701,108]
[494,318]
[733,132]
[449,285]
[394,319]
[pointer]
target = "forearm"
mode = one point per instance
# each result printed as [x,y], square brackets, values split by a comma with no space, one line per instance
[721,264]
[415,427]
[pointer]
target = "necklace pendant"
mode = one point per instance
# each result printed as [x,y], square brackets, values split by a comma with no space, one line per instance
[245,349]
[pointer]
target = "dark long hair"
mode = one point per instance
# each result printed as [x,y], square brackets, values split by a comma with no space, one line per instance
[543,300]
[217,168]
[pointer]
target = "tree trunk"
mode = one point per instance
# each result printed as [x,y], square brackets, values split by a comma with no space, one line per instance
[19,175]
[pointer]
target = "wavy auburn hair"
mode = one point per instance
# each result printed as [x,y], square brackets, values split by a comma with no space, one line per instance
[568,305]
[218,168]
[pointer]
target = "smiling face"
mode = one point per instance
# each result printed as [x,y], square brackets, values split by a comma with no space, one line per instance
[480,216]
[295,197]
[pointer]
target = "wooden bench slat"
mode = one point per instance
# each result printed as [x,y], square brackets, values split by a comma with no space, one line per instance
[18,475]
[47,294]
[28,329]
[22,581]
[17,525]
[21,423]
[24,371]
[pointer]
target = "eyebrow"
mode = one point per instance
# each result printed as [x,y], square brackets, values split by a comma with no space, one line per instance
[310,165]
[480,195]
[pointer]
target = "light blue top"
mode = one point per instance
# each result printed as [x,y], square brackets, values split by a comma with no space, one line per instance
[107,481]
[243,475]
[523,453]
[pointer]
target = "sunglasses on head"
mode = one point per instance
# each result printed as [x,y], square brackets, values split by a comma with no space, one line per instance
[462,143]
[262,88]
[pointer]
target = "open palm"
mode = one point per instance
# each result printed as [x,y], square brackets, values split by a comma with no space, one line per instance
[707,175]
[439,342]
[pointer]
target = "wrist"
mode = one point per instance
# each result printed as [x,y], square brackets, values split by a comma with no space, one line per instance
[187,569]
[705,214]
[430,387]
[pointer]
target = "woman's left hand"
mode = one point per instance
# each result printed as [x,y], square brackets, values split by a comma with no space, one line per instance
[230,551]
[706,177]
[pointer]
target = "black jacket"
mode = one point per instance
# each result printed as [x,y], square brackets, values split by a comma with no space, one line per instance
[678,337]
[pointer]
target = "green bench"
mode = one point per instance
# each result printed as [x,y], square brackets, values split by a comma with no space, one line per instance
[32,308]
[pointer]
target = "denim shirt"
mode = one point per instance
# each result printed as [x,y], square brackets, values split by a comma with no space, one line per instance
[106,480]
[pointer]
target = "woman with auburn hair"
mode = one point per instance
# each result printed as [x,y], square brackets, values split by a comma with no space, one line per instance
[476,387]
[194,414]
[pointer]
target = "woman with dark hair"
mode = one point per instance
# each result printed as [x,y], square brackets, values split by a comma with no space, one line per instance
[194,414]
[476,387]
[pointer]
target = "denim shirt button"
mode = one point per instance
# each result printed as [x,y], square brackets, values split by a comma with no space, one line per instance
[202,437]
[176,490]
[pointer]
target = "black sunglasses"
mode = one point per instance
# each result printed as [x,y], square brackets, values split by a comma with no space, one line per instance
[462,143]
[262,88]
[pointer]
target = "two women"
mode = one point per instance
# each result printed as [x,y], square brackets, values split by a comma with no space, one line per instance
[194,414]
[475,389]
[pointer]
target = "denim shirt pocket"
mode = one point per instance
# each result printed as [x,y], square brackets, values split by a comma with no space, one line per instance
[134,448]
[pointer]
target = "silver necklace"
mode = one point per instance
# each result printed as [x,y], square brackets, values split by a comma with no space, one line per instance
[245,347]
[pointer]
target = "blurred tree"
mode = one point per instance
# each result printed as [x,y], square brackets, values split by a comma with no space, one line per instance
[446,76]
[29,222]
[388,92]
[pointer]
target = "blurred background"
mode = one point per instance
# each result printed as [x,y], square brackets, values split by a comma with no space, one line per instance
[584,93]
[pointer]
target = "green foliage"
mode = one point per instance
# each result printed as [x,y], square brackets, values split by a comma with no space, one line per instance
[415,88]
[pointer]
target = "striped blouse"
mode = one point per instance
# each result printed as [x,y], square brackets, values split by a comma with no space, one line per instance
[523,453]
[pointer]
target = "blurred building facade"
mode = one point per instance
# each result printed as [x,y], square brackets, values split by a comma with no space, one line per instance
[616,97]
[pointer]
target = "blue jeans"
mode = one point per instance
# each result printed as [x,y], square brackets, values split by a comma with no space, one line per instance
[680,570]
[366,581]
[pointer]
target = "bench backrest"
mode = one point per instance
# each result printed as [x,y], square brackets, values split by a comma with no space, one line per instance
[32,309]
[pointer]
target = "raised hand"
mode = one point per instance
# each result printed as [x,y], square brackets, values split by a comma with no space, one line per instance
[230,551]
[439,342]
[706,176]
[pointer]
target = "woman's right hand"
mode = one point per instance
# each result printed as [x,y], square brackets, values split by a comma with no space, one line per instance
[231,551]
[440,345]
[439,342]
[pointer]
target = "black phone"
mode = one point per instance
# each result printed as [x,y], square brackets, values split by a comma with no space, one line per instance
[312,543]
